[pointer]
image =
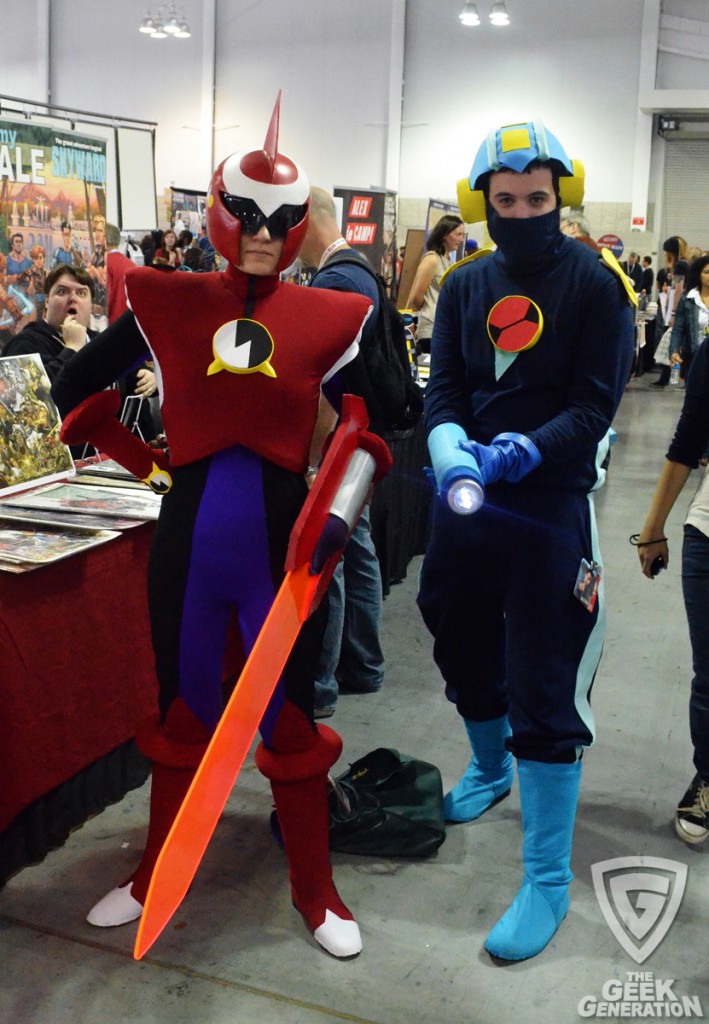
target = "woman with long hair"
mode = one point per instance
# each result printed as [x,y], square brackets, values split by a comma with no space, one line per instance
[676,257]
[674,251]
[444,239]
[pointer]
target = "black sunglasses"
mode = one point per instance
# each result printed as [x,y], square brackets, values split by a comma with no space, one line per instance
[252,217]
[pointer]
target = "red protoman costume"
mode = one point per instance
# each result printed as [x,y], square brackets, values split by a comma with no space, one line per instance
[239,361]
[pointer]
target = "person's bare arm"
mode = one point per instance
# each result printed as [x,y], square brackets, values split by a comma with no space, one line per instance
[324,425]
[424,275]
[652,541]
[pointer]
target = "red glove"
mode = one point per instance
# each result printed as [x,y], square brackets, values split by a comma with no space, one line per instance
[94,422]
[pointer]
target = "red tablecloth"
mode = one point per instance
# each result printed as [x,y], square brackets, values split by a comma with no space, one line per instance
[76,666]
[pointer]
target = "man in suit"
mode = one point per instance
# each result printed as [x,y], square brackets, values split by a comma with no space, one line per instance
[648,276]
[633,270]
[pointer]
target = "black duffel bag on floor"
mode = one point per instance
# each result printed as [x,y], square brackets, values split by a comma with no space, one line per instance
[387,805]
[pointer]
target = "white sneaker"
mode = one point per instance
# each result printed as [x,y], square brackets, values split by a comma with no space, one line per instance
[340,938]
[117,907]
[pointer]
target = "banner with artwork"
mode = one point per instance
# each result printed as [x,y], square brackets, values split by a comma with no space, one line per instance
[52,211]
[369,226]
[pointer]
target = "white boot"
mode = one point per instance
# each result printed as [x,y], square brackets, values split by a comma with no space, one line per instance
[116,907]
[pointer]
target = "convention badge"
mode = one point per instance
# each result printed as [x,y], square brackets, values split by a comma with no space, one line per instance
[588,580]
[514,324]
[242,346]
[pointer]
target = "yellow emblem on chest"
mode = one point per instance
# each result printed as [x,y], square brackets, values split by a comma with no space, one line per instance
[242,346]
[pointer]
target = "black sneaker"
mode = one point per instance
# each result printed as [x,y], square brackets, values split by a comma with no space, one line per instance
[692,817]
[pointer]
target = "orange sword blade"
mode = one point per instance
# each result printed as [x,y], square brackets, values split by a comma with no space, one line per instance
[198,816]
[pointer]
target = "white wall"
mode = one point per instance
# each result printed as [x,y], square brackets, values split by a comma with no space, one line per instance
[331,59]
[101,62]
[21,49]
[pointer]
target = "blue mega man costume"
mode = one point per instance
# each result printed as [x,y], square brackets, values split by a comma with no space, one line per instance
[517,650]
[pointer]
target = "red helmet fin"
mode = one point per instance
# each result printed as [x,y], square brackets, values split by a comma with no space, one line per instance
[270,145]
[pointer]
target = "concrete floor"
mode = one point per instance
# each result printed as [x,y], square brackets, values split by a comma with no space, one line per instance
[237,951]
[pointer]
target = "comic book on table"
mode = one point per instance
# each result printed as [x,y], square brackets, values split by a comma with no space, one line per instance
[31,452]
[124,502]
[44,514]
[24,547]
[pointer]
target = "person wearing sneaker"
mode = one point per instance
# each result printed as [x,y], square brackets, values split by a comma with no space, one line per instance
[535,339]
[685,453]
[242,358]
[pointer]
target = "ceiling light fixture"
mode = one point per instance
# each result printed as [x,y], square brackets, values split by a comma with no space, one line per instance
[499,15]
[469,15]
[162,27]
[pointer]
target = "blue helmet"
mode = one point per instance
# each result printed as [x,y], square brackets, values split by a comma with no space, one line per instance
[513,148]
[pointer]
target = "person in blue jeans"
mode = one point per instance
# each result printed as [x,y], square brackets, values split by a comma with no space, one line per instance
[351,659]
[687,448]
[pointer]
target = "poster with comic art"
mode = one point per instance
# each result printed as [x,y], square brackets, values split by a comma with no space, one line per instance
[52,211]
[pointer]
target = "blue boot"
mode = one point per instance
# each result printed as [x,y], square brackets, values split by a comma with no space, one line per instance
[548,794]
[488,777]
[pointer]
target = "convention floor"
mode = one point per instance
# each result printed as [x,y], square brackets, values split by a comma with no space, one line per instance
[237,951]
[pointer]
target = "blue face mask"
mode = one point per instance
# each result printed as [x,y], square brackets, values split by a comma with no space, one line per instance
[526,243]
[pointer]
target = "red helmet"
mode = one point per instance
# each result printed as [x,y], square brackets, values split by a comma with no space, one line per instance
[250,190]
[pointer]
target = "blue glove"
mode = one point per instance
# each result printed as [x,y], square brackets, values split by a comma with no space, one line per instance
[508,457]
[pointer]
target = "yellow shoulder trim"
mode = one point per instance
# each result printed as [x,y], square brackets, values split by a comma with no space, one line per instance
[467,259]
[609,259]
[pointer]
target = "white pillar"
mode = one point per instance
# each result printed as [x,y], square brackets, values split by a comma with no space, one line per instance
[396,87]
[643,126]
[206,135]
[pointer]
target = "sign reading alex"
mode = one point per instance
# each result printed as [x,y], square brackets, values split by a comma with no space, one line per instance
[369,226]
[50,176]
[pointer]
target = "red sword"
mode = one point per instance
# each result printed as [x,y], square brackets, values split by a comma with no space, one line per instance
[298,595]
